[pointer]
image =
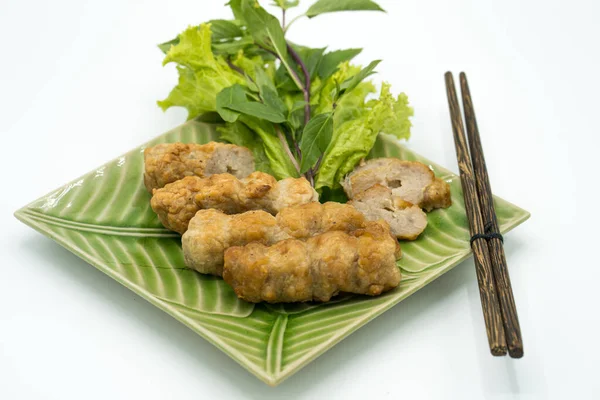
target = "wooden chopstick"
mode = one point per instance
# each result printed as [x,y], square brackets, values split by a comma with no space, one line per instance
[483,267]
[512,330]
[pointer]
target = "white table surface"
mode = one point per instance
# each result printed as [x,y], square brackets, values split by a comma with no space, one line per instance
[78,86]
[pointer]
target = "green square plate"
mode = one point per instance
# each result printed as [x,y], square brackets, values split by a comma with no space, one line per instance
[105,218]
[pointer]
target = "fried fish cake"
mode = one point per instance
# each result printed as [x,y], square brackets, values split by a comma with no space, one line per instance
[406,220]
[318,268]
[178,202]
[411,181]
[169,162]
[211,232]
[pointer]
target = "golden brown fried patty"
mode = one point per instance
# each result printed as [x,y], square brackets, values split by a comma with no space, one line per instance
[406,220]
[211,232]
[178,202]
[318,268]
[411,181]
[169,162]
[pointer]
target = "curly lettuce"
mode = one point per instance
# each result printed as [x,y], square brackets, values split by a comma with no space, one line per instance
[354,137]
[351,105]
[201,75]
[302,111]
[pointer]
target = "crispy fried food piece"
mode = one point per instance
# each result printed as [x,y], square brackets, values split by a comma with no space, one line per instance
[406,220]
[319,268]
[314,218]
[211,232]
[259,191]
[169,162]
[178,202]
[436,195]
[174,204]
[412,181]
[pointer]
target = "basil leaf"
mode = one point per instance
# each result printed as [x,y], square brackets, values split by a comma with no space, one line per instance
[252,87]
[267,90]
[228,96]
[258,110]
[231,47]
[311,58]
[236,8]
[283,80]
[222,29]
[330,62]
[352,82]
[315,139]
[327,6]
[267,32]
[271,99]
[295,117]
[263,80]
[264,27]
[285,4]
[298,105]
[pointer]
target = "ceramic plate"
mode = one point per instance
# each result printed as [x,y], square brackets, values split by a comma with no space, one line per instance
[105,218]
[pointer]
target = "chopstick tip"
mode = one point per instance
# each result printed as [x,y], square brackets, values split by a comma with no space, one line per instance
[516,352]
[498,350]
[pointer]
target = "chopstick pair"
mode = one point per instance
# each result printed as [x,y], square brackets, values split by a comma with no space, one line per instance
[497,300]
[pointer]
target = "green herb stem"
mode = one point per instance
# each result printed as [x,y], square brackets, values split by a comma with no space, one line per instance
[310,177]
[306,88]
[293,73]
[292,21]
[286,148]
[318,164]
[297,147]
[235,67]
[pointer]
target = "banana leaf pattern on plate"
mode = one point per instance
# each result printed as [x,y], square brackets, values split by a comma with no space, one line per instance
[105,218]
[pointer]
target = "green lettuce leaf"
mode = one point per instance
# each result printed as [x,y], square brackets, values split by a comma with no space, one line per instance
[353,139]
[249,64]
[331,61]
[281,165]
[353,82]
[352,104]
[201,75]
[225,35]
[324,95]
[239,134]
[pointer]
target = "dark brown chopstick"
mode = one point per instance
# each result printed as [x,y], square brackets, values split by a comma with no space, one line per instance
[483,267]
[512,330]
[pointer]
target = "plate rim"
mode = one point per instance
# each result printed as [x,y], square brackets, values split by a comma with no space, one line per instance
[295,366]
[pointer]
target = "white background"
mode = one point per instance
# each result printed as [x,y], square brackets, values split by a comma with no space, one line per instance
[78,85]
